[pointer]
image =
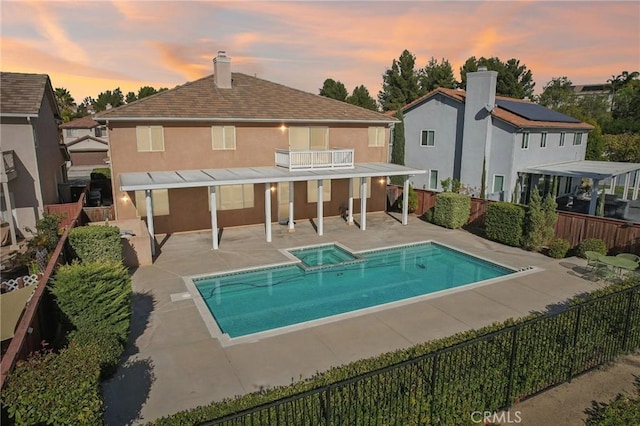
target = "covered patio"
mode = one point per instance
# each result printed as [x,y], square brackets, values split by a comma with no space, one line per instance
[598,171]
[268,176]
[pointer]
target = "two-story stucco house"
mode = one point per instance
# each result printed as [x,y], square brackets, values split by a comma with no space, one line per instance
[87,142]
[457,134]
[34,160]
[232,149]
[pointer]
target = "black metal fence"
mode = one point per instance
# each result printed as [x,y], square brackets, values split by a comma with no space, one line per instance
[490,372]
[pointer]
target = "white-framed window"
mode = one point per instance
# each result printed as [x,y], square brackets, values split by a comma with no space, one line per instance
[376,136]
[233,197]
[525,140]
[355,185]
[150,138]
[308,138]
[498,183]
[433,179]
[428,138]
[577,138]
[72,133]
[312,191]
[562,136]
[159,202]
[543,140]
[223,137]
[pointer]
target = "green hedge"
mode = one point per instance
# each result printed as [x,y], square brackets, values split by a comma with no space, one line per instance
[504,223]
[623,410]
[96,243]
[107,347]
[56,388]
[558,248]
[471,375]
[452,210]
[95,297]
[591,244]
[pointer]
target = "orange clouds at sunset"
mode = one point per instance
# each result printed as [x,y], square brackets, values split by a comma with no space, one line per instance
[89,47]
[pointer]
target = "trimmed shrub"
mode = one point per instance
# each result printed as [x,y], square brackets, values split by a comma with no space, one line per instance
[101,173]
[558,248]
[96,243]
[591,244]
[56,389]
[623,410]
[47,232]
[107,348]
[95,297]
[452,210]
[413,200]
[504,223]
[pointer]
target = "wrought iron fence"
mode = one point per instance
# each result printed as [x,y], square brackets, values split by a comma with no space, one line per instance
[489,372]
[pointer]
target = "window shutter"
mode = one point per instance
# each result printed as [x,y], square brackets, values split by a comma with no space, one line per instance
[217,134]
[157,138]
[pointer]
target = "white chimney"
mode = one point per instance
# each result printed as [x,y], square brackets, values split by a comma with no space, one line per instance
[222,70]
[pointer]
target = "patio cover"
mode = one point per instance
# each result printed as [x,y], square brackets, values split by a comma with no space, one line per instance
[596,170]
[212,178]
[241,175]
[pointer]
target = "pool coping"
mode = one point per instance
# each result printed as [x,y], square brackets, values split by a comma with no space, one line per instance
[226,341]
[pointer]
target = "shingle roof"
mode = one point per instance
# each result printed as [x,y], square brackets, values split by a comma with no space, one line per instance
[22,93]
[502,114]
[86,122]
[249,99]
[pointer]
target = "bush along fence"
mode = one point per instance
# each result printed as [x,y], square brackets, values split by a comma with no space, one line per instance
[445,381]
[619,235]
[61,385]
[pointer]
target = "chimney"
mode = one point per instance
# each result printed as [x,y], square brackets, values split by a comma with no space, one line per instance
[222,70]
[479,102]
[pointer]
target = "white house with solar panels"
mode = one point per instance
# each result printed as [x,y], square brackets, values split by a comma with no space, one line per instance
[453,134]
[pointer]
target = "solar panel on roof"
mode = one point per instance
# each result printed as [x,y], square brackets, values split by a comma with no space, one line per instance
[534,112]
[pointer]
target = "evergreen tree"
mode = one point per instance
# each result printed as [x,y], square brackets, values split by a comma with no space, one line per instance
[535,223]
[549,207]
[514,80]
[362,98]
[334,89]
[437,75]
[400,83]
[397,153]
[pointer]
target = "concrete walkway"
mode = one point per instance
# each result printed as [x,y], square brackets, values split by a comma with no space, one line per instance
[172,363]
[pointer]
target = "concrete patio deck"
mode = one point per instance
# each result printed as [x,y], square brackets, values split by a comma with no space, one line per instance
[172,363]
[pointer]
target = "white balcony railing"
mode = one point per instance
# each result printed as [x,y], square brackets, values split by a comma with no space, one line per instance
[336,158]
[8,167]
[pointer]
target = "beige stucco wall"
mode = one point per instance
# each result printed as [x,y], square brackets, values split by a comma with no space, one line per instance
[50,158]
[189,147]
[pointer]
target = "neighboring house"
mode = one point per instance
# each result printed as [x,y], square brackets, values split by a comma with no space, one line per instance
[598,89]
[455,134]
[87,142]
[232,149]
[34,160]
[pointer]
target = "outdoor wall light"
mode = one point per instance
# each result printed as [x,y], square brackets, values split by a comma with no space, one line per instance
[125,197]
[273,188]
[382,181]
[283,127]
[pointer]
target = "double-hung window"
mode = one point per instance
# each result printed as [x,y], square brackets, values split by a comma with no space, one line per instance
[233,197]
[543,140]
[159,202]
[525,140]
[428,138]
[376,136]
[562,135]
[150,138]
[433,179]
[577,139]
[223,137]
[498,183]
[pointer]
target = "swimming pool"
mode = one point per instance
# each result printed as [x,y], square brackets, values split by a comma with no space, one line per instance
[258,300]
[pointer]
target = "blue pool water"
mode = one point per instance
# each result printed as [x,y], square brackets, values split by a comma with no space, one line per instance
[258,300]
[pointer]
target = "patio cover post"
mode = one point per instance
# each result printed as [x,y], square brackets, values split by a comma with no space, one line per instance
[7,201]
[594,197]
[214,217]
[405,201]
[292,186]
[267,210]
[636,186]
[320,206]
[614,182]
[149,202]
[627,178]
[350,206]
[363,203]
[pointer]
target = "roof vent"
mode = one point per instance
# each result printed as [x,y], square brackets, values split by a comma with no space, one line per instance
[482,68]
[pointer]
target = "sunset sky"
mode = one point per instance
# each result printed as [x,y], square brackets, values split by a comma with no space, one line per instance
[91,46]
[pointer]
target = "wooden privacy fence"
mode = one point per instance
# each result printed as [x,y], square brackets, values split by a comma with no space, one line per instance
[68,212]
[619,235]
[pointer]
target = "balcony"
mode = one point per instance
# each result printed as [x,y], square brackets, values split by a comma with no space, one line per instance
[336,158]
[8,170]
